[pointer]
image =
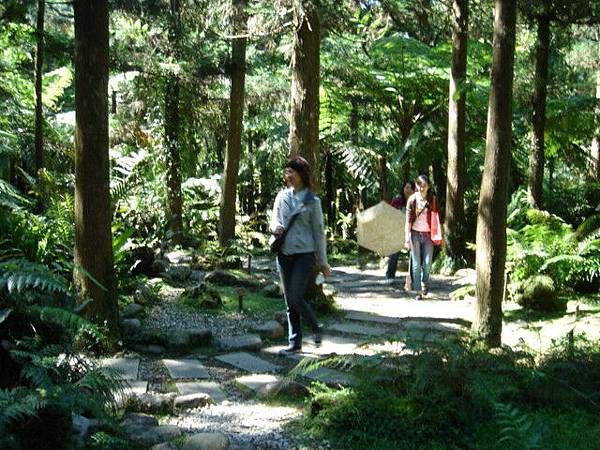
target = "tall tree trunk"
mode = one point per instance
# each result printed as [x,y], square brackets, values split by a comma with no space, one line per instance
[536,159]
[329,190]
[93,240]
[39,73]
[171,124]
[595,172]
[234,137]
[252,185]
[384,192]
[491,217]
[304,117]
[455,180]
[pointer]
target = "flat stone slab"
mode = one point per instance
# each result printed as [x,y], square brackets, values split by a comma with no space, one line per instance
[203,387]
[185,368]
[248,362]
[361,316]
[271,329]
[131,389]
[331,377]
[358,329]
[331,345]
[430,325]
[255,382]
[127,368]
[241,342]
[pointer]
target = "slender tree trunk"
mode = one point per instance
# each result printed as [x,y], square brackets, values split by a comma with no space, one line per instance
[455,180]
[384,192]
[595,172]
[491,217]
[171,124]
[234,138]
[93,240]
[39,73]
[329,190]
[252,184]
[304,117]
[536,160]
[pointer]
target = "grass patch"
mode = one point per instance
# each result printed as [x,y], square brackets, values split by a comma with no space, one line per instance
[254,303]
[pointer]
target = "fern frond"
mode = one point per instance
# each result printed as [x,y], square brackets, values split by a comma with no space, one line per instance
[10,198]
[67,320]
[18,275]
[590,226]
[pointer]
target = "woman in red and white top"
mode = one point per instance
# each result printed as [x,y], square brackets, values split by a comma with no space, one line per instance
[418,234]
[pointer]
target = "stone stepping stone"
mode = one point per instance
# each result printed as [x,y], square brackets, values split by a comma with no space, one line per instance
[255,382]
[127,368]
[204,387]
[241,342]
[427,325]
[271,329]
[362,316]
[357,329]
[131,389]
[185,368]
[331,344]
[248,362]
[331,377]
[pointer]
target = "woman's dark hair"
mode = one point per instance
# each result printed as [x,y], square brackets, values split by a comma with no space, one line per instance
[423,179]
[412,184]
[300,165]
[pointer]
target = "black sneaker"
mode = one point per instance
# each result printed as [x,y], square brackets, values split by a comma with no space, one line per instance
[290,349]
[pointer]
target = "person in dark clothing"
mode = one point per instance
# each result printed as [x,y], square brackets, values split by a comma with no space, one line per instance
[304,246]
[399,203]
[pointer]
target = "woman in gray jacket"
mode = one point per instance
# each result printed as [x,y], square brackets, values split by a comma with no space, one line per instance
[304,246]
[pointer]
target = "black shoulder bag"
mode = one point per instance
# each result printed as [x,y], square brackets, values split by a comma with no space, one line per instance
[277,243]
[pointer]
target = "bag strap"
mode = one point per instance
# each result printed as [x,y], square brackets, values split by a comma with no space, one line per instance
[308,198]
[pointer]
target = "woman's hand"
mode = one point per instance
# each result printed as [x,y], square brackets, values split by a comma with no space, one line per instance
[407,245]
[326,270]
[278,231]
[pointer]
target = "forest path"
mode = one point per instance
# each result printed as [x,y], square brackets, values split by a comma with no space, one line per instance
[241,378]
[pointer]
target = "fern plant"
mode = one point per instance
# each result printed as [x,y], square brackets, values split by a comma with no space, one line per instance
[45,378]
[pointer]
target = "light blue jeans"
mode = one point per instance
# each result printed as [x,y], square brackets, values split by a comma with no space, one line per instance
[421,254]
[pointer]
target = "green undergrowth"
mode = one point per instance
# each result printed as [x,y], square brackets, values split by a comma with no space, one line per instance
[455,395]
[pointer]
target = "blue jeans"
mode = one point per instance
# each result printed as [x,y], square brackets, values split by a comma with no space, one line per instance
[421,254]
[392,265]
[295,271]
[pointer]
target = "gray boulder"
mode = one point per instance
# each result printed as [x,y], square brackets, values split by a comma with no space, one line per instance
[191,401]
[179,273]
[130,326]
[271,290]
[151,403]
[132,310]
[278,388]
[241,342]
[207,441]
[225,278]
[271,329]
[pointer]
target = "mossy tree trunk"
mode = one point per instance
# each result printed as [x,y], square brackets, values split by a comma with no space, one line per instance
[93,239]
[234,138]
[39,73]
[304,116]
[454,235]
[537,159]
[491,217]
[171,129]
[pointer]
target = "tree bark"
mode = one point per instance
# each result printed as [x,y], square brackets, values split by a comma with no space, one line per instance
[93,240]
[171,125]
[595,172]
[304,117]
[491,218]
[384,192]
[455,180]
[39,73]
[536,159]
[234,138]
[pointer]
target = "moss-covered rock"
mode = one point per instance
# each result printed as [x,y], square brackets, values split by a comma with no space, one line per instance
[539,293]
[202,296]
